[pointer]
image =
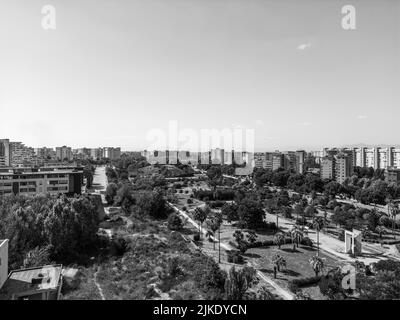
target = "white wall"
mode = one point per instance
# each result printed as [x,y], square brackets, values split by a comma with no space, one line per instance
[3,261]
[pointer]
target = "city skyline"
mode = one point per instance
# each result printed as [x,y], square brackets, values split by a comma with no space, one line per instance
[287,70]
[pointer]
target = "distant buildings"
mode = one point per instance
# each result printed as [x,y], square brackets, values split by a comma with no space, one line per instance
[337,166]
[392,175]
[5,153]
[21,154]
[327,168]
[112,153]
[64,153]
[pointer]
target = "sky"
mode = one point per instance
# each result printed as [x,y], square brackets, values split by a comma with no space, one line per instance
[114,70]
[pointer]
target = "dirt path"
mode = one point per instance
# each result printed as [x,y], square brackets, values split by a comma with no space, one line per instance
[98,285]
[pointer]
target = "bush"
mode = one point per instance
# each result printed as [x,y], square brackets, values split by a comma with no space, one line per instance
[196,237]
[184,209]
[174,222]
[189,201]
[234,256]
[295,284]
[306,241]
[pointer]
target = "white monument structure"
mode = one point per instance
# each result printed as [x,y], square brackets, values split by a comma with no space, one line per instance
[352,241]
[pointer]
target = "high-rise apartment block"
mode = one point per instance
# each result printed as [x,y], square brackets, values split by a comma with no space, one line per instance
[5,153]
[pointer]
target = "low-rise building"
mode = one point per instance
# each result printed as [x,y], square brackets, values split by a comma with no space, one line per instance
[43,180]
[41,283]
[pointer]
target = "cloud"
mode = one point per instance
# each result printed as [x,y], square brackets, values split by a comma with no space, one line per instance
[361,117]
[304,46]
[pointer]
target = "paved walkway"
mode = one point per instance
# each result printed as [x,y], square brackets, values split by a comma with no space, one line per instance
[334,246]
[285,294]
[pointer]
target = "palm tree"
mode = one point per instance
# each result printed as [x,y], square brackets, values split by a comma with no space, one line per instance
[279,261]
[317,224]
[317,263]
[279,239]
[297,236]
[393,211]
[380,230]
[200,215]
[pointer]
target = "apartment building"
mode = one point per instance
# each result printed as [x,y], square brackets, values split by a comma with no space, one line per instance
[64,153]
[44,180]
[21,154]
[45,154]
[377,157]
[112,153]
[217,156]
[5,153]
[96,153]
[278,161]
[392,175]
[343,167]
[327,170]
[301,156]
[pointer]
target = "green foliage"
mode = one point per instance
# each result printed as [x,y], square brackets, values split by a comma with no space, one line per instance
[174,222]
[238,282]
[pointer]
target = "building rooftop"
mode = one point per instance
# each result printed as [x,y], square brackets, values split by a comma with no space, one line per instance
[31,281]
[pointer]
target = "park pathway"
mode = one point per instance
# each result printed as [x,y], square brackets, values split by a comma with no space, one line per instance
[285,294]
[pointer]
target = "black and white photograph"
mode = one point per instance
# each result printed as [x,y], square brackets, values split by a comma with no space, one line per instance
[200,155]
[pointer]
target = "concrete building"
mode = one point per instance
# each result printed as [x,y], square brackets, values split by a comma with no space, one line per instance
[392,175]
[112,153]
[343,167]
[5,153]
[21,154]
[81,153]
[327,170]
[278,161]
[96,153]
[300,161]
[45,154]
[3,262]
[43,180]
[41,283]
[64,153]
[217,156]
[290,161]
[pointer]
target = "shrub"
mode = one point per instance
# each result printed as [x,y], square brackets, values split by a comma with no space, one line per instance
[234,256]
[302,282]
[189,201]
[196,237]
[306,241]
[174,222]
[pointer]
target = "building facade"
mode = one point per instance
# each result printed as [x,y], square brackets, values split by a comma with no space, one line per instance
[64,153]
[5,153]
[49,181]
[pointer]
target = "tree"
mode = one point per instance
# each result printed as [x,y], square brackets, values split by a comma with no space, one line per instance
[251,236]
[111,192]
[317,264]
[251,214]
[279,239]
[40,256]
[238,282]
[200,215]
[174,222]
[230,210]
[279,261]
[296,235]
[299,210]
[318,223]
[213,224]
[71,227]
